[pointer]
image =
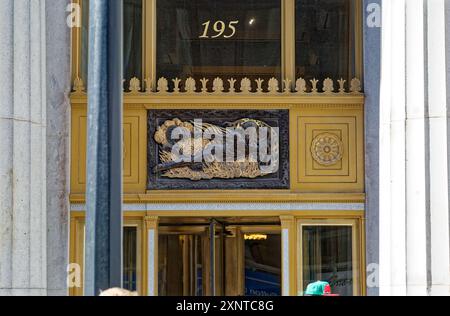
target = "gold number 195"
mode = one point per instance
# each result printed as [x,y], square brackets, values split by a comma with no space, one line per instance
[219,28]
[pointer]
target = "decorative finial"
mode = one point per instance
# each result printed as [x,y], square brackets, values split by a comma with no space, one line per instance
[176,83]
[78,86]
[342,85]
[314,83]
[232,82]
[204,82]
[259,83]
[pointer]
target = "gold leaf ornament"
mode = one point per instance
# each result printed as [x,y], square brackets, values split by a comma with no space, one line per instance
[355,86]
[78,85]
[190,85]
[135,85]
[161,133]
[218,85]
[328,86]
[163,85]
[246,85]
[327,149]
[273,85]
[300,86]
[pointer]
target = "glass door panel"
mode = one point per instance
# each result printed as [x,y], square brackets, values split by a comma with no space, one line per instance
[328,256]
[262,265]
[181,265]
[130,258]
[219,259]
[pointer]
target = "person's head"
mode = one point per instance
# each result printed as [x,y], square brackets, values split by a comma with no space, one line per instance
[319,288]
[118,292]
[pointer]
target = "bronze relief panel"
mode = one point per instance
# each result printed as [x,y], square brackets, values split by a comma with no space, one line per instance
[218,149]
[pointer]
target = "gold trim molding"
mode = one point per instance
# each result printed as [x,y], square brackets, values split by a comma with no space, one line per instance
[248,196]
[192,87]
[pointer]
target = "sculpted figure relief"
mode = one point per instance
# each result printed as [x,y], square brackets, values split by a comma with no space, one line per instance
[196,150]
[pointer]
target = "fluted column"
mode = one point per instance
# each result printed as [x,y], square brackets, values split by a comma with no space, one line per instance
[22,148]
[392,152]
[416,149]
[414,210]
[58,43]
[6,143]
[438,121]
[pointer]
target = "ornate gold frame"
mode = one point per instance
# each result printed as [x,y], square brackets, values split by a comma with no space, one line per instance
[358,247]
[316,107]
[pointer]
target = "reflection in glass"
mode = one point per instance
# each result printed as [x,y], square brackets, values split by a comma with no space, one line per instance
[327,256]
[129,258]
[263,266]
[324,40]
[216,38]
[180,265]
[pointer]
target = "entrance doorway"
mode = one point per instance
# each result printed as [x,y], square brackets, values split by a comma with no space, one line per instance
[243,259]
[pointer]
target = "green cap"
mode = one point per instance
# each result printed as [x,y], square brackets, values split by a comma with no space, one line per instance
[319,288]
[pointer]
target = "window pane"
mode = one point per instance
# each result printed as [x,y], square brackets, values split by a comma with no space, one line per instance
[132,37]
[132,50]
[129,258]
[324,39]
[263,266]
[327,256]
[216,38]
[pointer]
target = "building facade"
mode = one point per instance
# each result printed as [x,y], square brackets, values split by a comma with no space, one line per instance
[346,101]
